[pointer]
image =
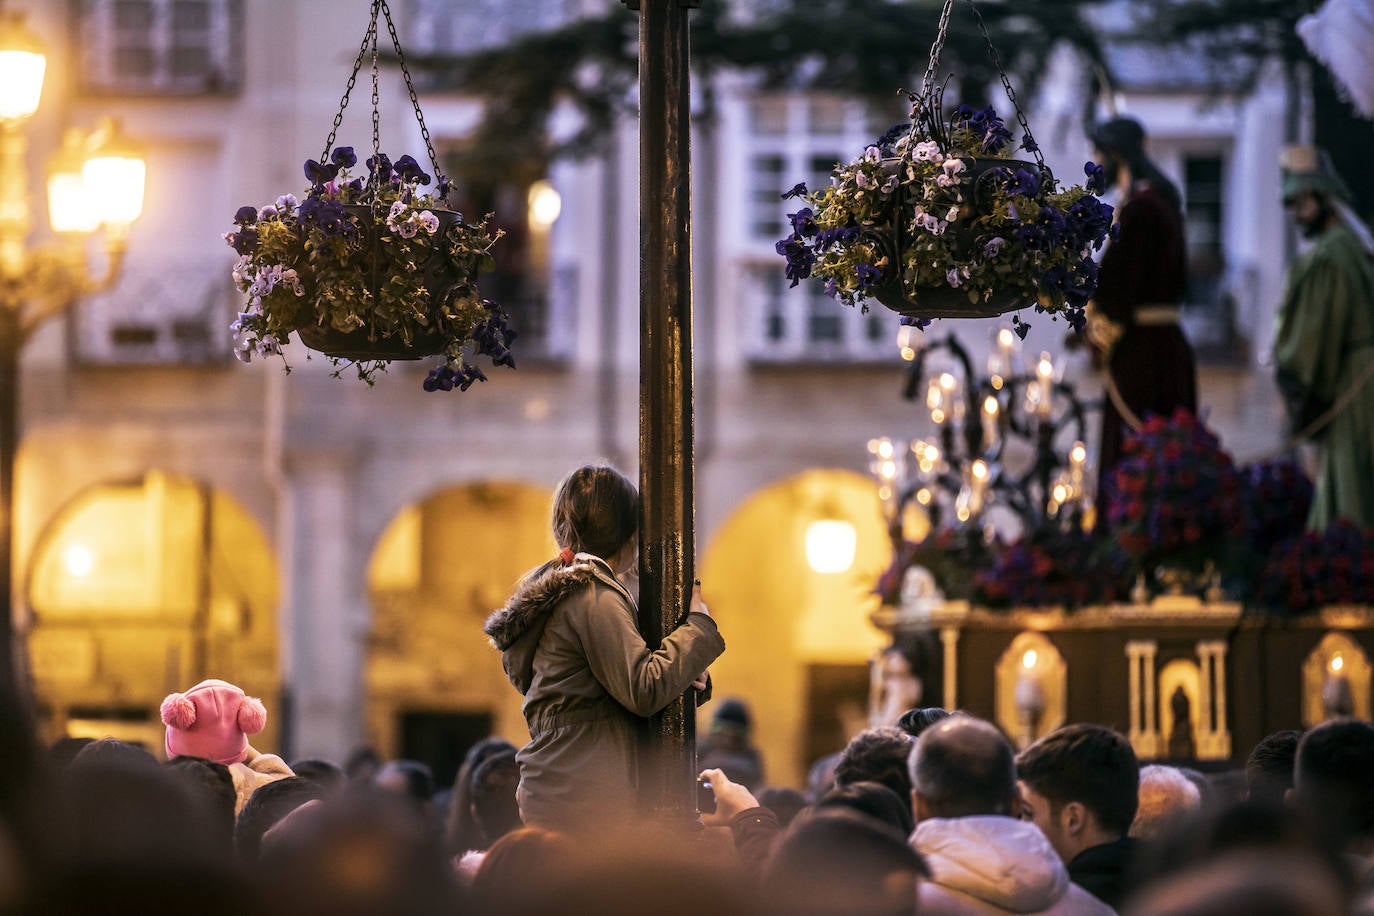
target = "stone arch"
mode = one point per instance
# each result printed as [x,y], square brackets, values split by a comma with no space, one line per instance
[141,587]
[798,642]
[440,566]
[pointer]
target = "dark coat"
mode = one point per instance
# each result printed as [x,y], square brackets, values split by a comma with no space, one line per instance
[569,643]
[1103,870]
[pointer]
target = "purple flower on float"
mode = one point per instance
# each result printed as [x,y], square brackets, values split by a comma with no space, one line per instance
[286,203]
[800,259]
[1023,182]
[442,188]
[1028,143]
[993,247]
[867,275]
[803,222]
[317,174]
[380,167]
[267,212]
[832,288]
[862,180]
[344,157]
[245,241]
[1097,179]
[953,278]
[246,216]
[797,190]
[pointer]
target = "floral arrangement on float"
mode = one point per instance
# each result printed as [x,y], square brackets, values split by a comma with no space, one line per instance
[937,219]
[1277,497]
[369,269]
[1054,567]
[1335,566]
[1175,496]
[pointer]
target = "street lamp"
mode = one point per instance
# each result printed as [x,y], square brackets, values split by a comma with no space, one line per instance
[95,181]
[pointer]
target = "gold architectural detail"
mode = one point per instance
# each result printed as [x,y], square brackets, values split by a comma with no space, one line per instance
[1144,733]
[1214,738]
[949,638]
[1336,673]
[1031,688]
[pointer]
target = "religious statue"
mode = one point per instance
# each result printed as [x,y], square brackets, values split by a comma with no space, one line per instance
[1181,745]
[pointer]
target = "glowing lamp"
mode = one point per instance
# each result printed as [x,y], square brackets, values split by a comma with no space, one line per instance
[22,65]
[830,546]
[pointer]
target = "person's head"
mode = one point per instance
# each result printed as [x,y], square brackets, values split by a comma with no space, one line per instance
[212,720]
[596,511]
[1332,784]
[461,832]
[873,799]
[362,764]
[409,779]
[212,785]
[1078,785]
[1167,798]
[63,751]
[820,779]
[1254,882]
[731,718]
[492,794]
[1119,144]
[877,755]
[838,861]
[360,853]
[1311,188]
[915,721]
[1269,768]
[107,752]
[784,802]
[962,767]
[268,804]
[511,871]
[328,776]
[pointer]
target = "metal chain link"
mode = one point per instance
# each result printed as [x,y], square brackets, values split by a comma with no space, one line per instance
[410,87]
[376,111]
[370,37]
[936,49]
[1006,84]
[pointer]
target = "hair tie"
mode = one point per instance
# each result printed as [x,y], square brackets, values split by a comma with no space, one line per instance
[566,556]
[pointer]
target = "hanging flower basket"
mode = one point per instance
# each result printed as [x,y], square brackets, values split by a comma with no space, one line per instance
[371,268]
[936,219]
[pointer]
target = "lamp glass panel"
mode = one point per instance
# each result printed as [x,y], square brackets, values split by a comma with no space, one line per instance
[21,83]
[114,185]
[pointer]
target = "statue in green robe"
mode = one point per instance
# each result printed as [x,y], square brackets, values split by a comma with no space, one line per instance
[1324,345]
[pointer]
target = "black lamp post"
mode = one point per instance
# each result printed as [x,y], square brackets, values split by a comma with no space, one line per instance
[667,543]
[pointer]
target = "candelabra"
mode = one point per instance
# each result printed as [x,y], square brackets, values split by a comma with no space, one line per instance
[1009,439]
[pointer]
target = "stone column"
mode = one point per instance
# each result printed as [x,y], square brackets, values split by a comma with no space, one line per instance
[1215,743]
[324,609]
[1144,734]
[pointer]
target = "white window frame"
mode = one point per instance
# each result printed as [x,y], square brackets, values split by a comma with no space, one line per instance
[98,70]
[797,146]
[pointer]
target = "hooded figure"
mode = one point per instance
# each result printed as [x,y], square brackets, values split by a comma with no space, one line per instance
[1133,318]
[1324,339]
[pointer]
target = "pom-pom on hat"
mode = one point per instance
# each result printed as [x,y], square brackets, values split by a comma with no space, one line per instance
[212,720]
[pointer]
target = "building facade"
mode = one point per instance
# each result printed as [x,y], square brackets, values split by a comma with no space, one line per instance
[334,547]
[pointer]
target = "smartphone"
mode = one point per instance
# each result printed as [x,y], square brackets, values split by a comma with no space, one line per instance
[706,797]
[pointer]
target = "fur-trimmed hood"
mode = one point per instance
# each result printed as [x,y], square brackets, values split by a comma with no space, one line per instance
[515,629]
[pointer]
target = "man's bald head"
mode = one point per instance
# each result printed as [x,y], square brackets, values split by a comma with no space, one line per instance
[963,767]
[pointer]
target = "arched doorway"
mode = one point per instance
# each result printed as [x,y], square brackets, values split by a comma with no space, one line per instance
[434,683]
[798,641]
[141,588]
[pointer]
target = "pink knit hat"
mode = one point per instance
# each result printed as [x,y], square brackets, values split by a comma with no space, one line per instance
[212,720]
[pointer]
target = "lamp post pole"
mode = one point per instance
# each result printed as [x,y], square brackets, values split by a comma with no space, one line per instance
[9,432]
[667,538]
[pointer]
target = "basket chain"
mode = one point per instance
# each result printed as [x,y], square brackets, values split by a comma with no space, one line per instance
[410,87]
[368,39]
[380,8]
[937,48]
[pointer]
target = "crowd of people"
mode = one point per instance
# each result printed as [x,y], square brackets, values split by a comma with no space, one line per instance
[938,814]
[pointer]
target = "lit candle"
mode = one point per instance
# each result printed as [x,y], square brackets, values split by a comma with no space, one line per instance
[990,426]
[1002,359]
[1044,376]
[979,474]
[1078,459]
